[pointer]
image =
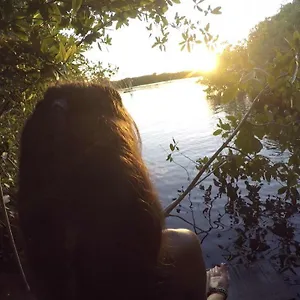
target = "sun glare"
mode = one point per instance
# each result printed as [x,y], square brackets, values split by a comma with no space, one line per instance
[198,60]
[209,62]
[203,60]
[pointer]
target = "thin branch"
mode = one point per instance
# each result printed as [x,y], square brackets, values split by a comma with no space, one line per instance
[184,168]
[294,77]
[11,237]
[192,213]
[169,208]
[179,165]
[210,173]
[185,156]
[13,163]
[186,221]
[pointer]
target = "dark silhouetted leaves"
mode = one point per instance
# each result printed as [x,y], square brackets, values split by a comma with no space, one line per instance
[247,142]
[229,94]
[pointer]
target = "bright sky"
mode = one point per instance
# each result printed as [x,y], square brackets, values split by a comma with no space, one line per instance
[131,47]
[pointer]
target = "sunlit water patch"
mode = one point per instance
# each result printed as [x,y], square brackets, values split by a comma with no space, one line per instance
[253,223]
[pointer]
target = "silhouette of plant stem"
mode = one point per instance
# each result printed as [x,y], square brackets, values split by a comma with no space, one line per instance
[169,208]
[11,237]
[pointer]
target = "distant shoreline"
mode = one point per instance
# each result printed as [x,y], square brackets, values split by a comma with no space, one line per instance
[126,85]
[149,85]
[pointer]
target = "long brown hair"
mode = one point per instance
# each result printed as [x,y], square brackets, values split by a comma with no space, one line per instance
[91,219]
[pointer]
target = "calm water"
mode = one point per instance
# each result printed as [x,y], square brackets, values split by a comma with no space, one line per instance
[252,227]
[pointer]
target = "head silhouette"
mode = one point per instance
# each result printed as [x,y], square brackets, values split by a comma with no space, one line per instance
[91,221]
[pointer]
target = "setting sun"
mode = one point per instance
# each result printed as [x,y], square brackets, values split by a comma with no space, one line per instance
[202,60]
[209,62]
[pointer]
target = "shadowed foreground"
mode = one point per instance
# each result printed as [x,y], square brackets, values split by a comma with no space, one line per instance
[260,281]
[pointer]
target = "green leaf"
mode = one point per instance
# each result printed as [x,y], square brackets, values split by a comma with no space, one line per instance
[176,1]
[92,37]
[231,118]
[259,131]
[217,11]
[296,104]
[119,25]
[46,44]
[296,35]
[54,12]
[21,35]
[172,147]
[225,126]
[189,46]
[62,50]
[271,80]
[229,94]
[247,142]
[61,53]
[256,145]
[71,51]
[217,132]
[76,4]
[282,190]
[268,176]
[205,159]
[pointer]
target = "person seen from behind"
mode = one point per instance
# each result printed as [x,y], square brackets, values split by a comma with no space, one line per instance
[92,222]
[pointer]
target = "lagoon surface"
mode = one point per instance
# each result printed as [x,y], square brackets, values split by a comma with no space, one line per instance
[255,226]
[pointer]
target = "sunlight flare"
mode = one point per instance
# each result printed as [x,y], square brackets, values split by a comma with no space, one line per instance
[202,60]
[209,62]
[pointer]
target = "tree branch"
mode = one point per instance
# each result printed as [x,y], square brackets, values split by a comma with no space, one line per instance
[169,208]
[191,224]
[11,237]
[210,173]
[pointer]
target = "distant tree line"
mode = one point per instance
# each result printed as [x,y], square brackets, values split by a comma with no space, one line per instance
[148,79]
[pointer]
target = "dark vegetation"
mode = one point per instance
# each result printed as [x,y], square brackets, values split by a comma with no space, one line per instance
[44,41]
[266,64]
[264,69]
